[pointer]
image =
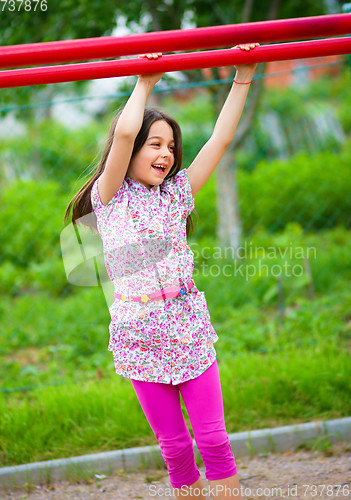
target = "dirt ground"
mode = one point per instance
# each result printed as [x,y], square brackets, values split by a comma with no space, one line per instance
[304,475]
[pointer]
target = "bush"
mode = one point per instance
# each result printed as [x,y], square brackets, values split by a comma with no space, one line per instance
[31,217]
[312,190]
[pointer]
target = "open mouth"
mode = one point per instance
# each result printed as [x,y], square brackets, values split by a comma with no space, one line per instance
[159,169]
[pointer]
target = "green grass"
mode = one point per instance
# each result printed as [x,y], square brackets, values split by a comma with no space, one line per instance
[259,391]
[283,359]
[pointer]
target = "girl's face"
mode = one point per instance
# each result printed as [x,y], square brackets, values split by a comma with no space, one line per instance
[158,149]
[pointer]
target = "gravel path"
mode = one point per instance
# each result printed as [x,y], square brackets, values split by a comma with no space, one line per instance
[326,475]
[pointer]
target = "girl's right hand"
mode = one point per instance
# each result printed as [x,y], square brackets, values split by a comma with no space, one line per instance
[153,78]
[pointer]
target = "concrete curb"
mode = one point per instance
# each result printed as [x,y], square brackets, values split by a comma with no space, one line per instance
[278,439]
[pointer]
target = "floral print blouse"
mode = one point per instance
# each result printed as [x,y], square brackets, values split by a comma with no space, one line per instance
[145,248]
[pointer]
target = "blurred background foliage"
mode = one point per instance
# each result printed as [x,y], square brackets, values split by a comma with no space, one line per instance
[285,197]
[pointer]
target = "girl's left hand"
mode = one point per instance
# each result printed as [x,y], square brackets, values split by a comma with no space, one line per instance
[247,68]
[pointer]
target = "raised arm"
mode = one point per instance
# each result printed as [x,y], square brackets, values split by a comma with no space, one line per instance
[126,130]
[210,155]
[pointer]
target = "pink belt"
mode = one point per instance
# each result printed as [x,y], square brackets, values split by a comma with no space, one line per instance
[165,293]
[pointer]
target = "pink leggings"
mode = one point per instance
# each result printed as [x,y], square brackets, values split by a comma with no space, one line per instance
[202,397]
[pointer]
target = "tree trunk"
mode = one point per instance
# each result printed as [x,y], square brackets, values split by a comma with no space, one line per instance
[229,228]
[229,225]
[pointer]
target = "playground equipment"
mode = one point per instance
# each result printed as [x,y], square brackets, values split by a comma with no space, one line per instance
[170,41]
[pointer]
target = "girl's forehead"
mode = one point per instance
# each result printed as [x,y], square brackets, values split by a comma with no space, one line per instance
[161,129]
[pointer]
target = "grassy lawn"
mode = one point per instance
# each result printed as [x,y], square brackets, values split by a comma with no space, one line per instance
[281,361]
[259,390]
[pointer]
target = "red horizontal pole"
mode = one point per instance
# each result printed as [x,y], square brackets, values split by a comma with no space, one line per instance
[173,62]
[174,40]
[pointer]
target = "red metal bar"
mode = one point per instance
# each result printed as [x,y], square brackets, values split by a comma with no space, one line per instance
[174,40]
[173,62]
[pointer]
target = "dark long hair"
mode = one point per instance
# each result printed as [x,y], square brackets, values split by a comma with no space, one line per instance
[81,202]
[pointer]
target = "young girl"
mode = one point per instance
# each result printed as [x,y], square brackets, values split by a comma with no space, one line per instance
[161,334]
